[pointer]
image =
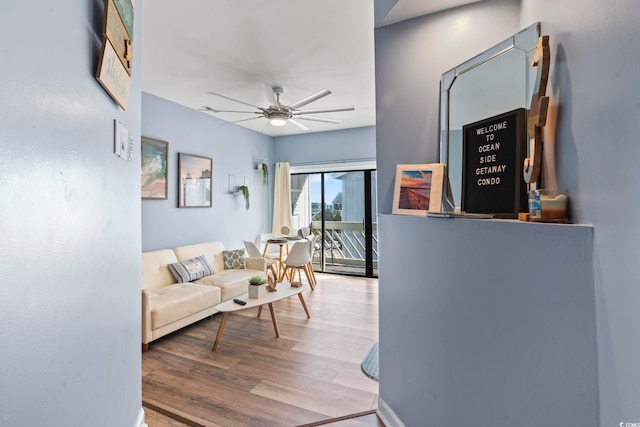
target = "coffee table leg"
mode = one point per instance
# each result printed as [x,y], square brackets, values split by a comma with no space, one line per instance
[220,329]
[275,321]
[304,305]
[259,311]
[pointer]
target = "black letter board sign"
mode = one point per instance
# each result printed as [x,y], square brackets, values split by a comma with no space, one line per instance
[493,152]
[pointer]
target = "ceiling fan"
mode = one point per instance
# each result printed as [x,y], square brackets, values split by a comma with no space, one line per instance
[278,114]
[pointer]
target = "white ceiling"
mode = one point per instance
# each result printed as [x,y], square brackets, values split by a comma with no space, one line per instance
[233,47]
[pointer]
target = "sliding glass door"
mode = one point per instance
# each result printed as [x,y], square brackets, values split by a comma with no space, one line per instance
[371,223]
[340,207]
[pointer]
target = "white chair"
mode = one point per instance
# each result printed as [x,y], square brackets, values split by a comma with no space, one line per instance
[254,252]
[304,232]
[297,260]
[272,251]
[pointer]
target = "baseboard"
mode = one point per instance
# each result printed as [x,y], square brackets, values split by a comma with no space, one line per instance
[387,416]
[140,421]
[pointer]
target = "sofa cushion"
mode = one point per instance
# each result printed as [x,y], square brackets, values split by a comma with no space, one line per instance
[233,260]
[231,282]
[212,251]
[174,302]
[190,269]
[155,272]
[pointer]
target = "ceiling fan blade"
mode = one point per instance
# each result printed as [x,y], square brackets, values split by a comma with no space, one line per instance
[268,93]
[318,119]
[213,110]
[266,125]
[310,98]
[324,110]
[235,100]
[243,120]
[300,125]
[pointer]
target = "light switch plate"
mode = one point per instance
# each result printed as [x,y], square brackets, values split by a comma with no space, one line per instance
[116,137]
[123,142]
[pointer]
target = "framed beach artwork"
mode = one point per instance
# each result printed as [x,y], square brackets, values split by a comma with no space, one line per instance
[418,189]
[194,186]
[154,168]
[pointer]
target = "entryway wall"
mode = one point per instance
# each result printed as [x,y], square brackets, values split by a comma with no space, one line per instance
[594,98]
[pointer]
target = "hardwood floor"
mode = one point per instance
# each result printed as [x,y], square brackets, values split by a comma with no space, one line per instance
[308,375]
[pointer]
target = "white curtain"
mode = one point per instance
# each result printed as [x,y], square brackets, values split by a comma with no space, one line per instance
[282,197]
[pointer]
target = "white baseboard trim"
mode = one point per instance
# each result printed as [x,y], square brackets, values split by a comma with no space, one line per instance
[140,421]
[386,414]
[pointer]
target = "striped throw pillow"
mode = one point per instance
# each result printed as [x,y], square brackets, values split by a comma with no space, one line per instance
[190,269]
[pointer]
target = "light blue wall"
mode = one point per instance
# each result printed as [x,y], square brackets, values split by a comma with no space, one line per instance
[382,8]
[594,89]
[410,58]
[338,145]
[474,330]
[234,150]
[70,224]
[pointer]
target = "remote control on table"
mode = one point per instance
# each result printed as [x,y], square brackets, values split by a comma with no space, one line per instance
[239,301]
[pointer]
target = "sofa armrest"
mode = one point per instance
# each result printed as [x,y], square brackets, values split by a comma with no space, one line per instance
[256,264]
[146,316]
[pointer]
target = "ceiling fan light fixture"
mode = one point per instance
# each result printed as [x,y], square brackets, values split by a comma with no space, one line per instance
[277,117]
[278,121]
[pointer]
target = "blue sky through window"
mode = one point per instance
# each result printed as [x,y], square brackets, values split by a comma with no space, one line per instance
[331,186]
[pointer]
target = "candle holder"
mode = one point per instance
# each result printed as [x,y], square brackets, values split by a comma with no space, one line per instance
[548,205]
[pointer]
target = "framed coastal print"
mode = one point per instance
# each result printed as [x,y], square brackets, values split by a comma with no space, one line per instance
[418,188]
[194,186]
[154,168]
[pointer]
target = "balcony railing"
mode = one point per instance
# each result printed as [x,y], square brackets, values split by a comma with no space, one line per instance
[344,243]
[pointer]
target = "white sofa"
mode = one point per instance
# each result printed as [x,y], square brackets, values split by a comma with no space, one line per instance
[168,306]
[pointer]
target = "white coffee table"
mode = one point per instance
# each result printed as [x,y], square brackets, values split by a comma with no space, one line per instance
[284,290]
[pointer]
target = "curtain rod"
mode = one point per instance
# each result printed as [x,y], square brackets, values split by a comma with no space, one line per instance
[333,162]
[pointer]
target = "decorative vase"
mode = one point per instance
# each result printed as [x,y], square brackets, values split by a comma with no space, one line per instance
[547,205]
[257,291]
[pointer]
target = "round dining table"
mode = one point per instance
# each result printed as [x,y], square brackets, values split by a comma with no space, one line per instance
[283,242]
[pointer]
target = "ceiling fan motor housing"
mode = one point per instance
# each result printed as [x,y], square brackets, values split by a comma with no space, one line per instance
[274,112]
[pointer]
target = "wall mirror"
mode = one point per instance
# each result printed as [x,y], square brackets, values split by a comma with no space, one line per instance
[498,80]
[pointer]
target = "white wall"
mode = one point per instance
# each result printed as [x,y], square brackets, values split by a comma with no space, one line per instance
[70,224]
[234,150]
[594,89]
